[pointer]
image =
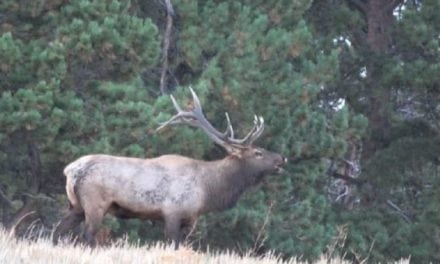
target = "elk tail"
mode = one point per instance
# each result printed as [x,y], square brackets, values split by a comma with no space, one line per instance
[75,173]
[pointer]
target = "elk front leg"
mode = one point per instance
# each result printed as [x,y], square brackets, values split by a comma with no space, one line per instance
[172,230]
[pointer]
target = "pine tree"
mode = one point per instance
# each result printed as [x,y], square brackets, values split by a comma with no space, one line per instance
[253,58]
[389,65]
[87,76]
[60,68]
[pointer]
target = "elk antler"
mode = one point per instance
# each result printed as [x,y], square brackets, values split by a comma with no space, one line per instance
[196,118]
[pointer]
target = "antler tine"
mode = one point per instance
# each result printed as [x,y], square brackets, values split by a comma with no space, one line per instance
[229,128]
[252,135]
[176,105]
[180,117]
[197,105]
[195,117]
[174,119]
[164,124]
[258,131]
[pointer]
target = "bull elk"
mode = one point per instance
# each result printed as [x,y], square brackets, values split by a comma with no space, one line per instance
[171,188]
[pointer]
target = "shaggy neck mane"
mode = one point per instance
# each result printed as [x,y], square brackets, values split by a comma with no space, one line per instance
[225,182]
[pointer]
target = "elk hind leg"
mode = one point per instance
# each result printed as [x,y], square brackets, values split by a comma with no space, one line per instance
[92,223]
[73,218]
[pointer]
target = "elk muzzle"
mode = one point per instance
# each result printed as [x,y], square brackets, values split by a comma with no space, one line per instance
[278,167]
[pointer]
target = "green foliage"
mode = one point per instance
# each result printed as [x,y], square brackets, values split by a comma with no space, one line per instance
[105,35]
[395,91]
[54,98]
[79,91]
[79,78]
[255,67]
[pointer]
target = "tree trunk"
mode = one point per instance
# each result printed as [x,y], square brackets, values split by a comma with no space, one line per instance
[33,183]
[379,17]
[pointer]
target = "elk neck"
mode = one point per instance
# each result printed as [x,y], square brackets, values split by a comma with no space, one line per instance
[225,181]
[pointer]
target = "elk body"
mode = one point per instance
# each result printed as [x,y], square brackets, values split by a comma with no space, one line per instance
[172,188]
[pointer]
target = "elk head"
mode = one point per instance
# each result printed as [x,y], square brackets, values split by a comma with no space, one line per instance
[258,159]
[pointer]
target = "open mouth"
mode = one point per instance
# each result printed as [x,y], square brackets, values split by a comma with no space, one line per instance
[279,170]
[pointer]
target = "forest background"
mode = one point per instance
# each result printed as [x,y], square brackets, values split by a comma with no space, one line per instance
[349,89]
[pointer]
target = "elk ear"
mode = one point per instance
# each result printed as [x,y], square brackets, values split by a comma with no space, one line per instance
[236,152]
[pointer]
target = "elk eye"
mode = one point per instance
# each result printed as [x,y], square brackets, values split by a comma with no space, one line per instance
[258,153]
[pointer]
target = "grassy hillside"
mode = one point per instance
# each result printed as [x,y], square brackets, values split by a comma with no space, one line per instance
[14,250]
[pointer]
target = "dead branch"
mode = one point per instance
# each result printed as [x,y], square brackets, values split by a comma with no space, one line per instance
[259,241]
[338,241]
[348,179]
[12,231]
[166,45]
[343,194]
[399,211]
[369,253]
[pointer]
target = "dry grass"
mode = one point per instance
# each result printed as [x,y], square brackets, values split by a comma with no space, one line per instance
[42,251]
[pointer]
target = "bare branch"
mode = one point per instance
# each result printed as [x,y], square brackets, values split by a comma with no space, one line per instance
[261,236]
[399,211]
[166,45]
[369,253]
[169,7]
[13,230]
[343,194]
[348,179]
